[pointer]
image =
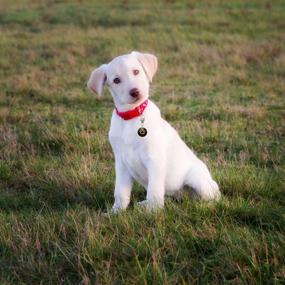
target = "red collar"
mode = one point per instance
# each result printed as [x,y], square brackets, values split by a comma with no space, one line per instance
[130,114]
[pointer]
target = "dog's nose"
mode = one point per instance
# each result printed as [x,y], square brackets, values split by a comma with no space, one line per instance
[134,92]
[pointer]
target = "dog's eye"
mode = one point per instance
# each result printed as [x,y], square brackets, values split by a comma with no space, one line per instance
[136,71]
[117,80]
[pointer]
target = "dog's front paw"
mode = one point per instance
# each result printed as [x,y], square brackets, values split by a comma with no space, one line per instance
[143,204]
[149,205]
[116,208]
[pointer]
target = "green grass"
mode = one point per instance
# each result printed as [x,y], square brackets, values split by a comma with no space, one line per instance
[220,83]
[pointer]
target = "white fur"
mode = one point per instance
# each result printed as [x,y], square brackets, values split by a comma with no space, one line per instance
[161,162]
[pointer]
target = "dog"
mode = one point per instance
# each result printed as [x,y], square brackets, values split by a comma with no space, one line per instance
[146,147]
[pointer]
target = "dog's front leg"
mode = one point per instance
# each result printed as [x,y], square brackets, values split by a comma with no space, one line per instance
[123,187]
[156,184]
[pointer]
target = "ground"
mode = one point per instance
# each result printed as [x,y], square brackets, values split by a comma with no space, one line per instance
[220,83]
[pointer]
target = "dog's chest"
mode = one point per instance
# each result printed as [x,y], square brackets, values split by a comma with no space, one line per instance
[130,148]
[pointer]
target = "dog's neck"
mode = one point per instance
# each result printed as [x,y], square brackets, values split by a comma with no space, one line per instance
[136,111]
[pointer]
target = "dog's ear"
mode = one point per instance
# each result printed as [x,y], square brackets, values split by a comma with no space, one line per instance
[148,62]
[97,79]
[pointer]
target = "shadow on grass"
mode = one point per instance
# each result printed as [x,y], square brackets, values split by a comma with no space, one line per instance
[20,196]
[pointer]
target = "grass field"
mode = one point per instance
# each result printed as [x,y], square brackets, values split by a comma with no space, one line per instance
[220,83]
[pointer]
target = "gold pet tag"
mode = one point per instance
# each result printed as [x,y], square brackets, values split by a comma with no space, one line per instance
[142,132]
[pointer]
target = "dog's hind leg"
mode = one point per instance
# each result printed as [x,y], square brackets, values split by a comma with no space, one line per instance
[201,183]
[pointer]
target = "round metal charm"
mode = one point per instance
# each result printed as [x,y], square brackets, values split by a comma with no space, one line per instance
[142,132]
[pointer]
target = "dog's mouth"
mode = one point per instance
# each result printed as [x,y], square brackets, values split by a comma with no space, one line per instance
[134,100]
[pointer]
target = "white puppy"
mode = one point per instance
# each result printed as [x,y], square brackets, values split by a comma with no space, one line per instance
[145,146]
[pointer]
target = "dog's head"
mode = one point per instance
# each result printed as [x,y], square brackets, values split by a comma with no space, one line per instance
[127,77]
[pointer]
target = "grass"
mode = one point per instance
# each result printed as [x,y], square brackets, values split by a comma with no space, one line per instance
[220,84]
